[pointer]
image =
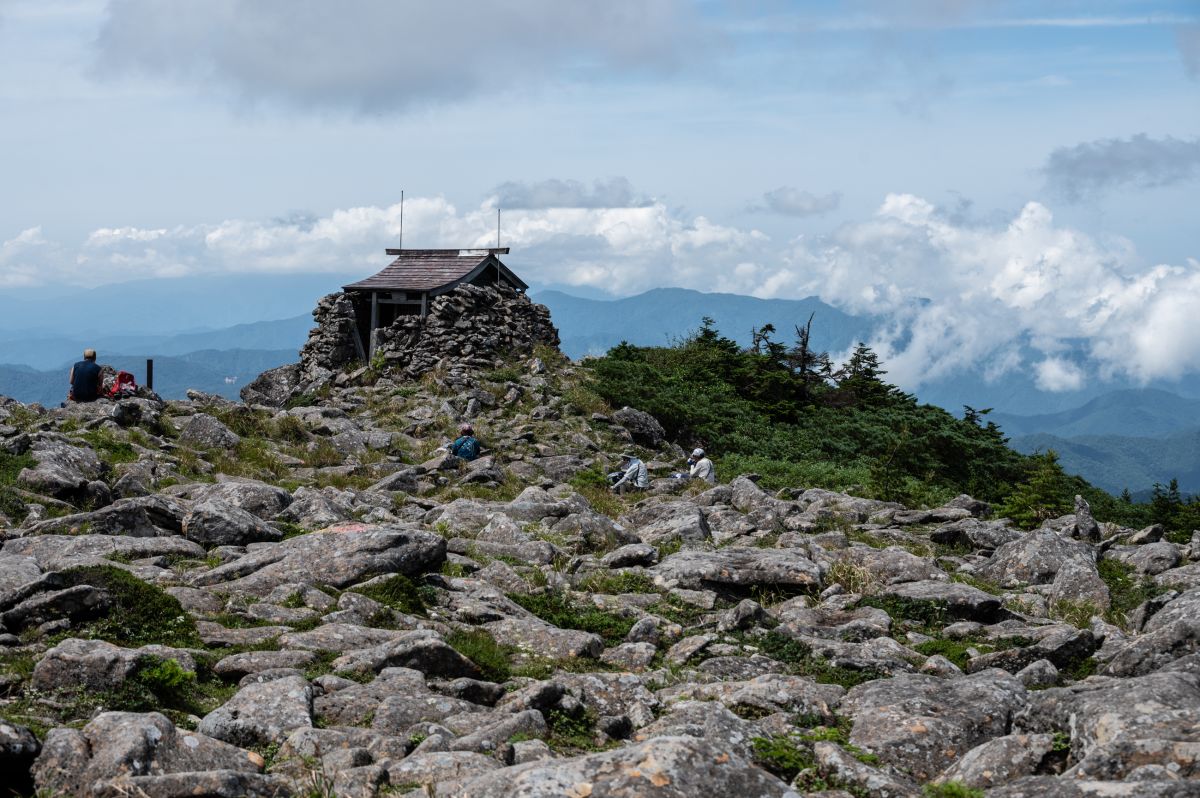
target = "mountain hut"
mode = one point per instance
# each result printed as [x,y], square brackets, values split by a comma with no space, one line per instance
[416,276]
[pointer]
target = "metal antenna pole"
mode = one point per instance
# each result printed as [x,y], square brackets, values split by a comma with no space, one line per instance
[497,228]
[401,218]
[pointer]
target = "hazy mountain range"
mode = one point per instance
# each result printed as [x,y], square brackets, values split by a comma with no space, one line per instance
[209,333]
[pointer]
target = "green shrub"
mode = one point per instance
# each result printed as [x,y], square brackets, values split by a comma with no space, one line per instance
[800,660]
[555,608]
[783,756]
[480,647]
[167,680]
[926,612]
[11,466]
[109,447]
[141,613]
[615,583]
[398,592]
[951,789]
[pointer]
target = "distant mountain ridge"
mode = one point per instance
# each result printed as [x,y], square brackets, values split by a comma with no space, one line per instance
[1139,412]
[661,316]
[222,372]
[1116,462]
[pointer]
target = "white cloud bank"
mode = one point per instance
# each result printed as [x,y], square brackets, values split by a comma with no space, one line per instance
[953,295]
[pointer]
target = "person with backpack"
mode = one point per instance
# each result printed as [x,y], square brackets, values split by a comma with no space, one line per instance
[700,467]
[85,379]
[633,474]
[466,445]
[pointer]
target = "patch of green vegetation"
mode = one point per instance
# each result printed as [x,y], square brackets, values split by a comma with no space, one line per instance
[678,611]
[783,756]
[800,660]
[11,465]
[951,789]
[572,733]
[616,583]
[930,615]
[290,530]
[978,584]
[1126,589]
[506,374]
[290,429]
[555,608]
[166,679]
[141,613]
[480,647]
[398,592]
[110,447]
[593,485]
[301,400]
[1061,742]
[953,650]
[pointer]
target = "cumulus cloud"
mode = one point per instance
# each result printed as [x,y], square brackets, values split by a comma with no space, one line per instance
[615,192]
[1056,374]
[380,55]
[1027,294]
[1188,38]
[1092,167]
[790,201]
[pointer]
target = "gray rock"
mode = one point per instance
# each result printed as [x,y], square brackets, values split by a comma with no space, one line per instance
[1154,558]
[97,665]
[960,600]
[765,694]
[663,767]
[668,521]
[207,432]
[235,666]
[209,784]
[441,767]
[262,713]
[58,552]
[849,772]
[345,555]
[704,719]
[212,522]
[1034,559]
[542,639]
[18,748]
[1086,527]
[644,427]
[423,651]
[1000,760]
[142,516]
[116,744]
[62,470]
[353,704]
[1052,787]
[923,723]
[738,568]
[257,498]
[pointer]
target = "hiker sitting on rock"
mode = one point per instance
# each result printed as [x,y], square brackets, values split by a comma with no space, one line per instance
[700,467]
[632,476]
[85,379]
[466,445]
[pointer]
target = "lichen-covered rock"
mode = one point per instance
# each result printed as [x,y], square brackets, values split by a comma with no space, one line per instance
[262,713]
[339,557]
[923,723]
[662,767]
[130,744]
[208,432]
[738,568]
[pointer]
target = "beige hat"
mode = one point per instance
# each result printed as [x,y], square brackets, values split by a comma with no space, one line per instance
[89,354]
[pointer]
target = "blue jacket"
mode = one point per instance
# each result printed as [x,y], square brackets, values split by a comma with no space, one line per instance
[466,447]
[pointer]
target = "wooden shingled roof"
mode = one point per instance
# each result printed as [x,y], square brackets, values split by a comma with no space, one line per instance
[435,270]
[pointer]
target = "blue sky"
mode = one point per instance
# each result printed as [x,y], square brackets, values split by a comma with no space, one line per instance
[971,167]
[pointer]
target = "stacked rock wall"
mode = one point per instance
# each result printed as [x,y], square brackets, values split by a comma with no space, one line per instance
[469,329]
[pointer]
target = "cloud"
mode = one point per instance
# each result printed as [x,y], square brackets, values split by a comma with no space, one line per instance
[953,294]
[1188,39]
[1056,374]
[1093,167]
[615,192]
[790,201]
[380,56]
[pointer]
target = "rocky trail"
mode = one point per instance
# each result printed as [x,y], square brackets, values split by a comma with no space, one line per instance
[209,598]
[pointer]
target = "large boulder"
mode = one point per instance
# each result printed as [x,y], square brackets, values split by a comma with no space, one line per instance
[208,432]
[117,745]
[212,522]
[1035,559]
[643,427]
[274,387]
[339,557]
[662,767]
[262,713]
[62,470]
[739,569]
[922,724]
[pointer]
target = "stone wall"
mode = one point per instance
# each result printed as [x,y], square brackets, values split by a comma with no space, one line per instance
[467,330]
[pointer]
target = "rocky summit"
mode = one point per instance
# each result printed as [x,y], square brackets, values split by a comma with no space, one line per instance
[304,595]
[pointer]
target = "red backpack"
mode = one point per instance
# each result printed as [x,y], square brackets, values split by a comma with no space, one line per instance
[123,386]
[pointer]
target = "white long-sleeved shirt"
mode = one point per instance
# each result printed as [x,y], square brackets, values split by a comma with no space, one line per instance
[636,473]
[703,469]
